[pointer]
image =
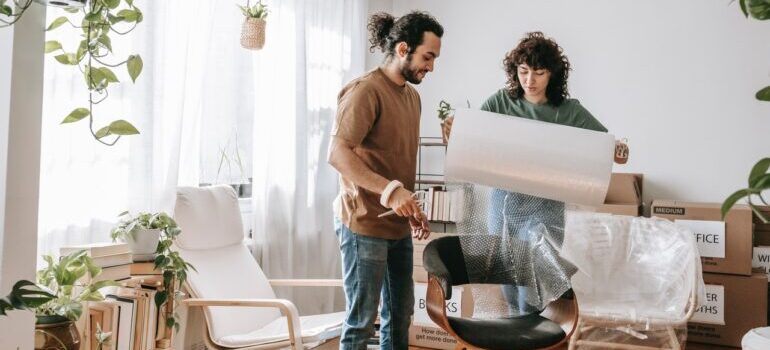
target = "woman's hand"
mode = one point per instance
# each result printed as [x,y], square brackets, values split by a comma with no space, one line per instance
[621,152]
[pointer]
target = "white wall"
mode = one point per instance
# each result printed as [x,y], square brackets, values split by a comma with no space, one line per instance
[21,103]
[677,78]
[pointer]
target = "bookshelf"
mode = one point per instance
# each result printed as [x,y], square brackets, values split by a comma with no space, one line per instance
[430,174]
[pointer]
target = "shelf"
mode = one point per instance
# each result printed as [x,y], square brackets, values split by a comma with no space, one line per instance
[430,144]
[429,182]
[441,222]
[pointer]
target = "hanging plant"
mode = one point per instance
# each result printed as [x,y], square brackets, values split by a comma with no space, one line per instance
[253,30]
[101,18]
[11,13]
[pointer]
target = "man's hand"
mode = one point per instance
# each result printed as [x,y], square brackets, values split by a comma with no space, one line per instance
[403,203]
[419,225]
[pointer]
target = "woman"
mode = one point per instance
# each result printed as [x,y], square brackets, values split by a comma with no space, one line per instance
[537,72]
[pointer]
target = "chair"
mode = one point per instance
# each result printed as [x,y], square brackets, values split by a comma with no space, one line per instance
[635,274]
[446,265]
[239,305]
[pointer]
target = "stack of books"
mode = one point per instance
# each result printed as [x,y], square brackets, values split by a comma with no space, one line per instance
[114,259]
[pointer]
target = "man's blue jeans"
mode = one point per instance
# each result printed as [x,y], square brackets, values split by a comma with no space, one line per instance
[372,267]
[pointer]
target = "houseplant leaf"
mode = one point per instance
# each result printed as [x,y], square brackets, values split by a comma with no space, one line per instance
[57,23]
[764,94]
[76,115]
[130,15]
[52,45]
[732,199]
[6,10]
[109,75]
[67,58]
[758,170]
[113,4]
[759,9]
[103,132]
[134,66]
[122,127]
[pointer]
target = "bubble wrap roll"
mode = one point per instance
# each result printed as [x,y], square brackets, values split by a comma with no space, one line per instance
[547,160]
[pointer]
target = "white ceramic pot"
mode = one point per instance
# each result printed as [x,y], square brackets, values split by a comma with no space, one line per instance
[144,243]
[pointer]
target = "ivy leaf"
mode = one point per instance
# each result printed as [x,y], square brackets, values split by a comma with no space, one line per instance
[57,23]
[134,66]
[93,17]
[764,94]
[130,15]
[67,58]
[52,45]
[76,115]
[103,132]
[94,77]
[109,75]
[122,127]
[6,10]
[112,4]
[72,9]
[105,41]
[160,298]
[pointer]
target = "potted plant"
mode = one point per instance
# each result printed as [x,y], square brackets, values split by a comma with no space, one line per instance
[57,299]
[142,233]
[444,112]
[158,230]
[253,30]
[759,177]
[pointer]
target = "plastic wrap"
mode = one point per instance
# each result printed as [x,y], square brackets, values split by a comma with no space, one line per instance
[520,155]
[632,270]
[513,239]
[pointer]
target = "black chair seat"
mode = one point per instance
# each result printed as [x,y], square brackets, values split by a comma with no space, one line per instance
[523,332]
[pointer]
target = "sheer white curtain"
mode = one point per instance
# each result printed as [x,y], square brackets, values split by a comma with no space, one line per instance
[84,185]
[312,49]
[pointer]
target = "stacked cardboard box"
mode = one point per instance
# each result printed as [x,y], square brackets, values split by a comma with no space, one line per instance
[624,195]
[735,298]
[761,261]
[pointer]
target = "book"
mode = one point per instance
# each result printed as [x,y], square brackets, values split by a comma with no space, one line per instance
[144,268]
[97,249]
[112,260]
[115,273]
[124,339]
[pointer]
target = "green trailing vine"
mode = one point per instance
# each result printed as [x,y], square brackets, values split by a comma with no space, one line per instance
[10,14]
[100,20]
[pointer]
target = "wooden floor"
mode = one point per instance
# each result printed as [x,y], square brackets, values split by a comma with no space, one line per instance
[691,346]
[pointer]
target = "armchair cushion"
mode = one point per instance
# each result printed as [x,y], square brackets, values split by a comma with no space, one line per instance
[315,328]
[525,332]
[211,217]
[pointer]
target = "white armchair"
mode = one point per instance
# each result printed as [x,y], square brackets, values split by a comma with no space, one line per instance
[239,305]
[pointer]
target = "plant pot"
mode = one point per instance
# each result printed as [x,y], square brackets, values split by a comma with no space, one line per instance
[59,335]
[245,191]
[444,132]
[143,244]
[253,33]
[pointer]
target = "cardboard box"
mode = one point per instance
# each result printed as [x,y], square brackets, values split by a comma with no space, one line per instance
[761,238]
[624,195]
[423,332]
[733,306]
[724,246]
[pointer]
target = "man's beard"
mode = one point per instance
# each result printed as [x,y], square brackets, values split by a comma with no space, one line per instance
[410,74]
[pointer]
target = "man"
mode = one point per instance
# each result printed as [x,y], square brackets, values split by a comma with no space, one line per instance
[374,148]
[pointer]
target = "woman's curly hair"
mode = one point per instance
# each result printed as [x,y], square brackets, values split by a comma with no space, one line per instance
[538,52]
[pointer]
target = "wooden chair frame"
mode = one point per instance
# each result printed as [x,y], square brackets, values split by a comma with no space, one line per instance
[287,308]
